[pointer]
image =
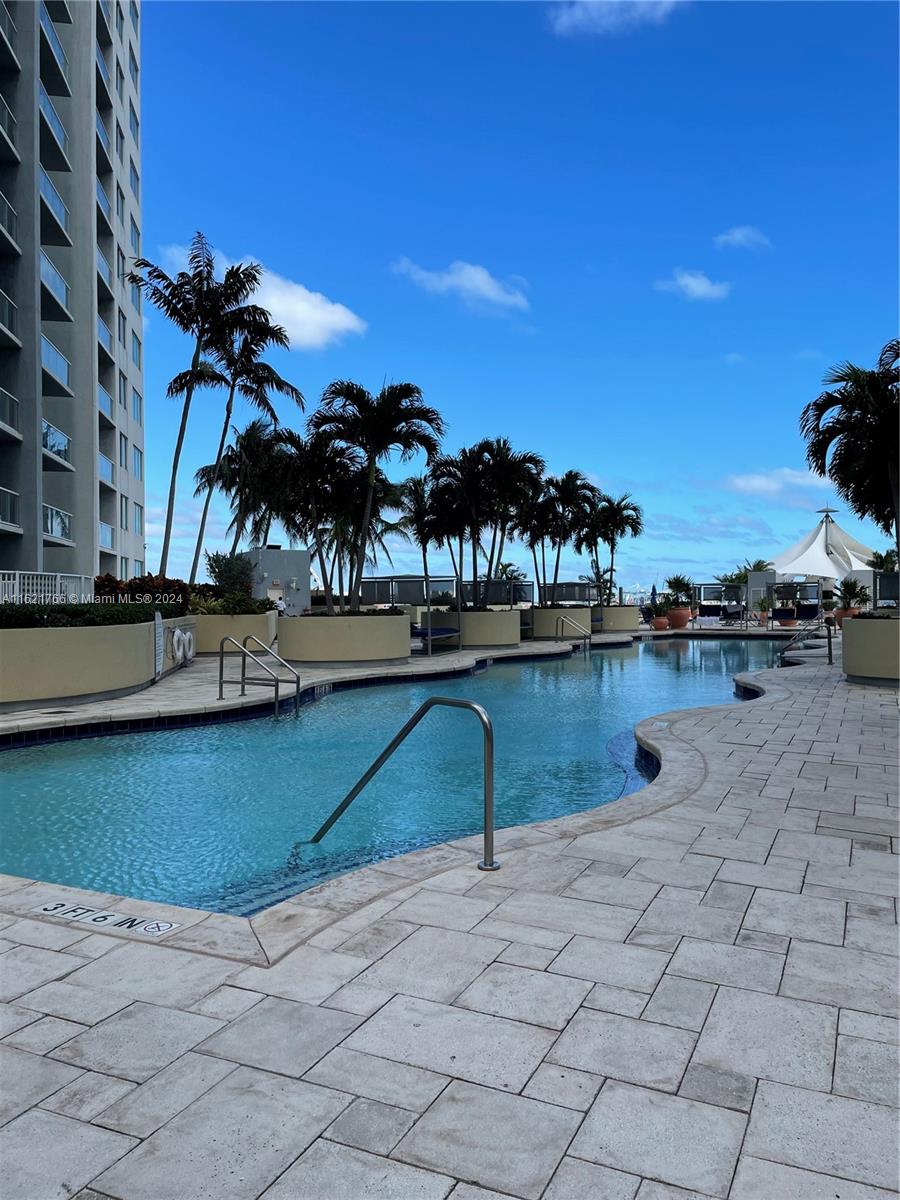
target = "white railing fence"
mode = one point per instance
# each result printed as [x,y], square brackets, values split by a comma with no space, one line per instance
[42,587]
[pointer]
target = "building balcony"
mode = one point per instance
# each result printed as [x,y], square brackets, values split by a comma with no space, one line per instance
[104,80]
[106,536]
[10,427]
[104,205]
[104,22]
[9,227]
[55,220]
[9,322]
[105,338]
[104,145]
[9,511]
[105,403]
[54,139]
[56,526]
[105,274]
[54,292]
[106,470]
[54,63]
[9,37]
[8,134]
[56,370]
[57,448]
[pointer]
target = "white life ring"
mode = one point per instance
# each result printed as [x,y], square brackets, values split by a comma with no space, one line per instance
[178,647]
[188,646]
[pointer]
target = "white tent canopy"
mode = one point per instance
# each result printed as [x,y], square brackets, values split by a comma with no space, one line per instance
[828,552]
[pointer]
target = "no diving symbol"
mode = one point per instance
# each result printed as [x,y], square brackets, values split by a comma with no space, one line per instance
[155,928]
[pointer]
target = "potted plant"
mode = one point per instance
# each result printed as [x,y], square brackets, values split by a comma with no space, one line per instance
[851,597]
[681,594]
[785,610]
[764,607]
[660,619]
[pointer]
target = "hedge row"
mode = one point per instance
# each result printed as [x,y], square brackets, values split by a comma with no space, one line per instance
[58,616]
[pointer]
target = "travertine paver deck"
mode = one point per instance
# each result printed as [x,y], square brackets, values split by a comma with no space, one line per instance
[689,993]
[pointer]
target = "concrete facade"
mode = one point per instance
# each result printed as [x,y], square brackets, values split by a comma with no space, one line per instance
[283,573]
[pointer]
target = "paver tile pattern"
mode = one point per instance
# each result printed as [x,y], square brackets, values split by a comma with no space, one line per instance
[689,995]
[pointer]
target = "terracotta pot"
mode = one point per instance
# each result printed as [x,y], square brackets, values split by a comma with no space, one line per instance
[659,623]
[788,624]
[763,619]
[679,617]
[841,615]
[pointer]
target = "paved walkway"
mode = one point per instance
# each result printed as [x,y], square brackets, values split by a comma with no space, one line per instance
[688,993]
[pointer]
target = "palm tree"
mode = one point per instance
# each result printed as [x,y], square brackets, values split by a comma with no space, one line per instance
[249,475]
[417,515]
[623,518]
[394,419]
[509,477]
[569,498]
[207,309]
[852,437]
[886,561]
[594,532]
[237,366]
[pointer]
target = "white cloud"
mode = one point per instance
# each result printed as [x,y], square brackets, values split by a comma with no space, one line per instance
[473,284]
[573,17]
[734,358]
[693,285]
[775,482]
[312,320]
[743,237]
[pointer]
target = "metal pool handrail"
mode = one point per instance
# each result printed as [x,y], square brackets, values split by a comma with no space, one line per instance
[488,863]
[245,654]
[562,620]
[251,637]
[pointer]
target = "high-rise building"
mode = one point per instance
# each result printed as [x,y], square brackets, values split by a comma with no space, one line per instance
[71,333]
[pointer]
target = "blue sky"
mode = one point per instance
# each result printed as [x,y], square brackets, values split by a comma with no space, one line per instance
[630,237]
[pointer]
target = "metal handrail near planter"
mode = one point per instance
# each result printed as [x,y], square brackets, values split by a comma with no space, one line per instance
[245,679]
[488,863]
[251,637]
[562,620]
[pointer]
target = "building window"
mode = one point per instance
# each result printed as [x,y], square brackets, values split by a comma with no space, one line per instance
[123,451]
[135,238]
[135,180]
[123,390]
[120,205]
[136,297]
[123,329]
[120,263]
[132,67]
[133,123]
[120,82]
[123,568]
[123,512]
[138,567]
[138,462]
[138,520]
[120,142]
[135,349]
[133,10]
[120,22]
[137,406]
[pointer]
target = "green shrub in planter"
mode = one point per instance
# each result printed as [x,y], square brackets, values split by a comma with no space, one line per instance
[57,616]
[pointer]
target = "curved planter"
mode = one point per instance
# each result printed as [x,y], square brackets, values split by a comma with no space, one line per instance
[679,617]
[498,628]
[343,639]
[86,662]
[211,629]
[618,618]
[871,650]
[545,622]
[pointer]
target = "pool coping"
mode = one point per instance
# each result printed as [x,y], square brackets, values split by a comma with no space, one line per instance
[264,939]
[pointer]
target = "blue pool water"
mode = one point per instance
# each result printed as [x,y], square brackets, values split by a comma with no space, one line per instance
[218,816]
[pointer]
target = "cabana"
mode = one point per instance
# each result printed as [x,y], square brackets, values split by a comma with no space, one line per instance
[827,552]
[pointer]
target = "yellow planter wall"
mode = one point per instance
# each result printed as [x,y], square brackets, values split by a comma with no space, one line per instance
[343,639]
[871,649]
[621,618]
[545,622]
[211,629]
[496,628]
[59,664]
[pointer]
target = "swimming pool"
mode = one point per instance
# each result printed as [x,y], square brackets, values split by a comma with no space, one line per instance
[219,816]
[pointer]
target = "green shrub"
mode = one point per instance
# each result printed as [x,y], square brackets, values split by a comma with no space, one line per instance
[230,573]
[58,616]
[145,589]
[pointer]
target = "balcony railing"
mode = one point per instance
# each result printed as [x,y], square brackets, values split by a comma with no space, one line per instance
[104,336]
[7,24]
[7,120]
[103,68]
[103,134]
[54,200]
[9,409]
[9,507]
[57,522]
[106,9]
[106,468]
[104,201]
[55,361]
[53,38]
[8,217]
[104,270]
[53,280]
[106,536]
[104,401]
[53,119]
[9,314]
[56,442]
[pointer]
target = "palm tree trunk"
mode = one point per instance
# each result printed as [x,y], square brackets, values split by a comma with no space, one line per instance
[326,582]
[459,575]
[559,546]
[212,486]
[490,567]
[360,564]
[612,571]
[176,458]
[544,569]
[339,555]
[238,531]
[474,536]
[537,574]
